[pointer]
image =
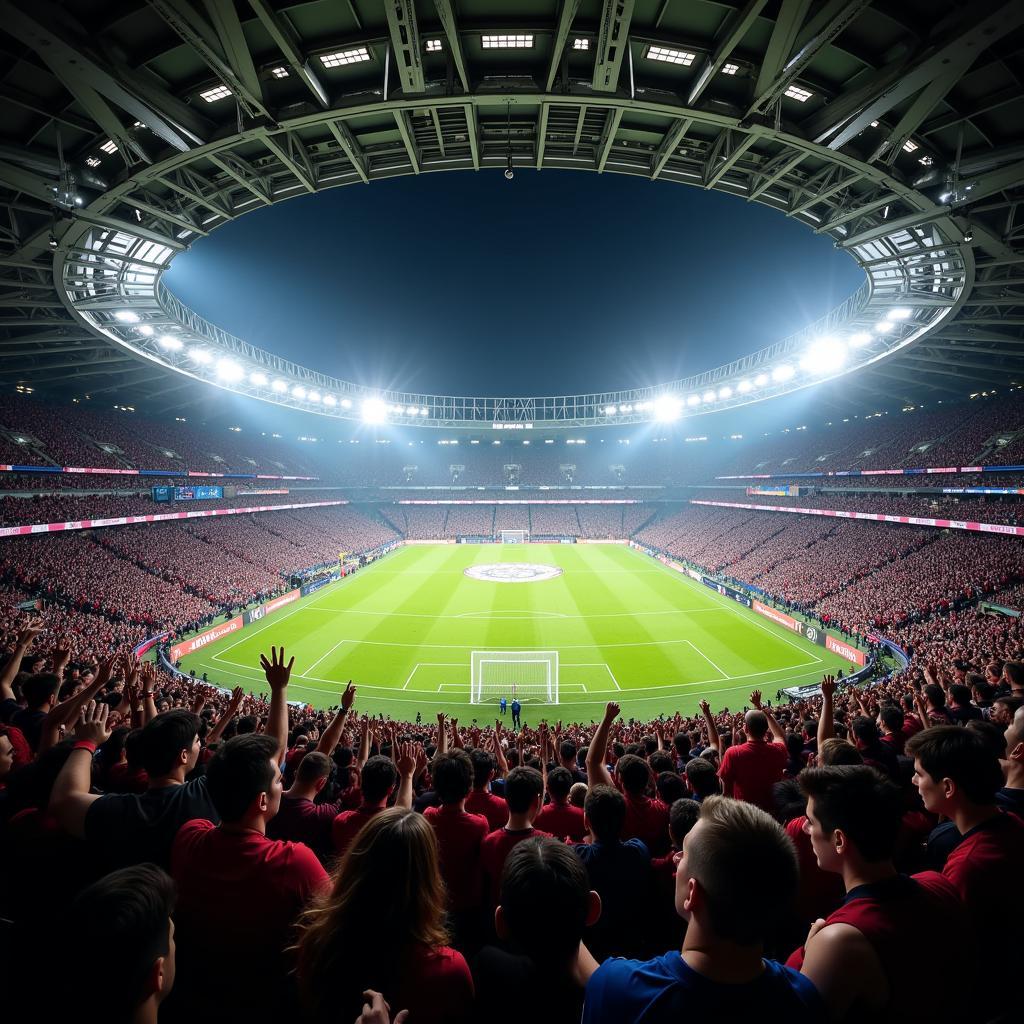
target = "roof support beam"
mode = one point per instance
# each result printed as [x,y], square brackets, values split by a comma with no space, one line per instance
[105,221]
[727,163]
[77,364]
[774,171]
[233,44]
[565,17]
[176,182]
[825,193]
[473,132]
[29,102]
[446,15]
[542,134]
[669,144]
[293,155]
[737,29]
[408,140]
[166,215]
[235,167]
[27,183]
[405,41]
[859,211]
[611,126]
[356,157]
[287,42]
[612,40]
[914,378]
[950,365]
[780,46]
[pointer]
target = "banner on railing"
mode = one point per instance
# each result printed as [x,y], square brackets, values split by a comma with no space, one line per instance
[178,651]
[115,471]
[738,596]
[844,650]
[269,607]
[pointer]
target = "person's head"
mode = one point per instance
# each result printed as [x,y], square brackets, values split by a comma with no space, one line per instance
[567,751]
[853,815]
[484,767]
[578,794]
[1013,673]
[992,733]
[960,694]
[387,890]
[634,773]
[953,768]
[314,770]
[682,816]
[170,744]
[40,690]
[6,756]
[605,813]
[837,751]
[452,773]
[1004,708]
[892,720]
[794,746]
[681,743]
[542,872]
[378,779]
[244,780]
[935,696]
[702,778]
[660,762]
[755,725]
[865,732]
[720,877]
[1014,739]
[524,791]
[123,919]
[809,728]
[560,783]
[670,788]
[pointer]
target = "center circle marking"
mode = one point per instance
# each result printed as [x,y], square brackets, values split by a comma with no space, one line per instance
[513,572]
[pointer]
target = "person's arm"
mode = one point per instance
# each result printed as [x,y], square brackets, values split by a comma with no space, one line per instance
[148,676]
[777,734]
[499,752]
[214,735]
[278,673]
[442,734]
[364,744]
[456,738]
[25,638]
[709,722]
[826,720]
[405,760]
[844,969]
[332,734]
[659,732]
[597,770]
[922,710]
[70,798]
[543,731]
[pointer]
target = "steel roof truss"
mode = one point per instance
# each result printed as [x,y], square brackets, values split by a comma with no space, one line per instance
[286,41]
[612,41]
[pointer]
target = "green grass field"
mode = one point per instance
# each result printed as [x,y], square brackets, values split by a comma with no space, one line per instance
[625,627]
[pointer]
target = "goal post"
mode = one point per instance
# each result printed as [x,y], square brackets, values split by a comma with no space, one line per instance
[514,537]
[515,675]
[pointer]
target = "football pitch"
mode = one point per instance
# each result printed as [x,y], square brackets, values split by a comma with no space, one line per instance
[625,627]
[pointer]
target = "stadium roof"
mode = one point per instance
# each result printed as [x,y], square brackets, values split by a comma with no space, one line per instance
[131,129]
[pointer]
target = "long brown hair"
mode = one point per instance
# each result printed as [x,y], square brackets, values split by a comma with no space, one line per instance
[386,897]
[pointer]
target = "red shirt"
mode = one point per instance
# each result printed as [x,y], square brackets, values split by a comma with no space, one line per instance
[493,851]
[347,825]
[819,892]
[646,820]
[239,895]
[562,820]
[302,821]
[752,768]
[436,987]
[493,808]
[459,836]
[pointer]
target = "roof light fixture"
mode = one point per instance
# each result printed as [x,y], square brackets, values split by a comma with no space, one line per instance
[798,93]
[171,343]
[667,55]
[507,41]
[218,92]
[280,72]
[433,46]
[356,55]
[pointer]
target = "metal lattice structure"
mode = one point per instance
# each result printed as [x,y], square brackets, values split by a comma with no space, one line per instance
[132,129]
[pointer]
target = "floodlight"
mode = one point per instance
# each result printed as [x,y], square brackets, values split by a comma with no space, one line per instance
[724,393]
[413,410]
[146,330]
[229,370]
[782,373]
[330,400]
[346,403]
[374,410]
[884,326]
[298,392]
[424,411]
[826,355]
[610,410]
[280,386]
[258,378]
[693,400]
[126,316]
[744,387]
[709,396]
[200,355]
[171,343]
[313,396]
[899,313]
[860,338]
[666,407]
[218,92]
[760,380]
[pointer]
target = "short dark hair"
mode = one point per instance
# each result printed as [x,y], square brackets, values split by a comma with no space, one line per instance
[239,772]
[452,773]
[378,776]
[605,808]
[892,718]
[1014,671]
[127,918]
[315,765]
[682,816]
[634,773]
[567,750]
[660,762]
[681,741]
[703,778]
[522,787]
[860,801]
[935,694]
[164,738]
[963,755]
[670,788]
[736,848]
[864,729]
[961,694]
[38,689]
[542,872]
[483,765]
[559,782]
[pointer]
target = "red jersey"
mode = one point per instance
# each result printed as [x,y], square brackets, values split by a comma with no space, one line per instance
[302,821]
[436,987]
[819,892]
[347,825]
[459,836]
[905,919]
[646,820]
[751,769]
[493,808]
[493,851]
[564,821]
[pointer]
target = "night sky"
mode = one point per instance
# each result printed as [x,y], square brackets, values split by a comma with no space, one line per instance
[556,282]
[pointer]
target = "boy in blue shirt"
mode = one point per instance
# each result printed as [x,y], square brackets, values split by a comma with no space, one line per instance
[736,877]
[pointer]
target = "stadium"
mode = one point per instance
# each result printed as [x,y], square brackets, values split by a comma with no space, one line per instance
[383,566]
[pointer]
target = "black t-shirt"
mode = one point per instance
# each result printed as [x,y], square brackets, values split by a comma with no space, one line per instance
[132,828]
[499,974]
[8,709]
[31,725]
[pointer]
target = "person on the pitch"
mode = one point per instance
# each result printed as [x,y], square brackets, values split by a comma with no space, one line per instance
[503,705]
[517,709]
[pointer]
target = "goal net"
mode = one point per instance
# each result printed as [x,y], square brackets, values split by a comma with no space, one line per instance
[513,537]
[514,675]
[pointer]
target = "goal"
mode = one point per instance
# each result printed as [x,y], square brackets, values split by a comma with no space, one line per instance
[515,675]
[514,537]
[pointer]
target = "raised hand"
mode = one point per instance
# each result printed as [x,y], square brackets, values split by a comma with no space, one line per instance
[755,699]
[92,725]
[237,696]
[276,671]
[348,698]
[828,686]
[29,632]
[405,759]
[611,711]
[705,707]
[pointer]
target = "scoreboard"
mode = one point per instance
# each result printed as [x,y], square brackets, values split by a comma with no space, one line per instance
[194,493]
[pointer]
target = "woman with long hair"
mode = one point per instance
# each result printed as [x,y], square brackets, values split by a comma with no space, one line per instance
[381,927]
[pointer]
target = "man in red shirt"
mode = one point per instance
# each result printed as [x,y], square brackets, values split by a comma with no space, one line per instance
[481,800]
[957,777]
[377,782]
[524,791]
[870,955]
[750,770]
[559,817]
[646,819]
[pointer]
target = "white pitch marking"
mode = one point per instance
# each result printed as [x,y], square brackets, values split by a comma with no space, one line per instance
[322,656]
[717,668]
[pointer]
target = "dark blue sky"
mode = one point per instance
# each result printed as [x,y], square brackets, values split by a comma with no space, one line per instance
[555,282]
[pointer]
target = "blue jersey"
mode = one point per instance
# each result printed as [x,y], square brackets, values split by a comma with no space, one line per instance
[504,703]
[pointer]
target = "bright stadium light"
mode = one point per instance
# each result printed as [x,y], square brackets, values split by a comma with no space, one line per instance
[625,408]
[885,326]
[330,401]
[314,396]
[899,313]
[744,387]
[346,403]
[610,410]
[413,410]
[782,373]
[171,343]
[724,393]
[298,392]
[126,316]
[860,338]
[280,386]
[146,331]
[826,355]
[229,370]
[666,408]
[761,380]
[259,378]
[693,400]
[200,355]
[374,410]
[424,411]
[709,396]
